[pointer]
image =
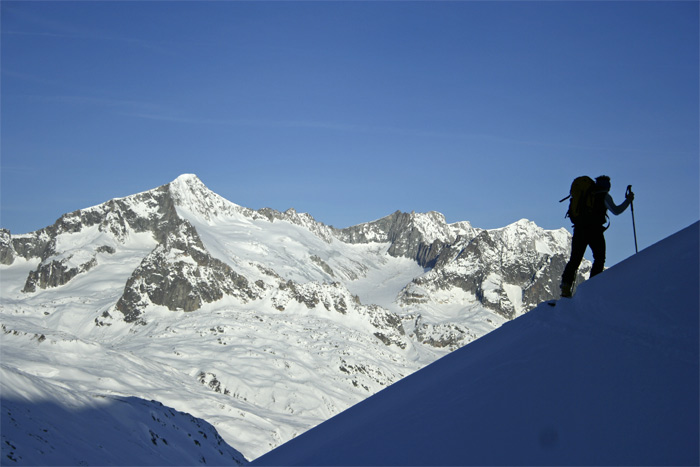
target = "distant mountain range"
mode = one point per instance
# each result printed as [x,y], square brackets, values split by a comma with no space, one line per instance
[605,378]
[262,323]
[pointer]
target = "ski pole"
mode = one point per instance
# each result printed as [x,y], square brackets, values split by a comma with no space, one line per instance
[634,226]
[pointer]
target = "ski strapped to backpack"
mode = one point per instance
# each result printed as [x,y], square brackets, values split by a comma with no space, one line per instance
[587,201]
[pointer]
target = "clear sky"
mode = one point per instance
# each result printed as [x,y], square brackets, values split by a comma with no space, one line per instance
[350,110]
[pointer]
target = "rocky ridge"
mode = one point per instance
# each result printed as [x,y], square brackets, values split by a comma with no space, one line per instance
[507,270]
[270,318]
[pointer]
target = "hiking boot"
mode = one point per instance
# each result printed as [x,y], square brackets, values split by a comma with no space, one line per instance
[566,290]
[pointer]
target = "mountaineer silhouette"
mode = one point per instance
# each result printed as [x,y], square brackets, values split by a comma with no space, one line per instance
[589,204]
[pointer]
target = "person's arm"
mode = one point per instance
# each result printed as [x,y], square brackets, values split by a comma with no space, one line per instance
[612,207]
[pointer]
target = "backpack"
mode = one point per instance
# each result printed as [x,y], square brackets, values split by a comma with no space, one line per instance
[587,202]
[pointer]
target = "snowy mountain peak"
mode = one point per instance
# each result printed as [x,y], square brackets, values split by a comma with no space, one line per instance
[188,187]
[190,194]
[520,227]
[189,290]
[188,178]
[525,224]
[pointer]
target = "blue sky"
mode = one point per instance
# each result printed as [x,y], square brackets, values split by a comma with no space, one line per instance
[484,111]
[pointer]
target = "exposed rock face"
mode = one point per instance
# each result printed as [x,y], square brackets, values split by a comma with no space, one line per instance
[319,261]
[334,297]
[416,236]
[444,335]
[507,270]
[7,251]
[55,273]
[151,211]
[181,275]
[37,244]
[313,318]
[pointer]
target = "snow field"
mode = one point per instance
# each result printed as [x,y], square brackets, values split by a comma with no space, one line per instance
[262,371]
[609,377]
[50,423]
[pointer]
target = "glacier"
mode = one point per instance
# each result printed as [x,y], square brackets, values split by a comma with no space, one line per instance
[609,377]
[258,324]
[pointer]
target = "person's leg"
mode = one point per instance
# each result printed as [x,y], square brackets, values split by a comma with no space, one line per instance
[578,248]
[597,243]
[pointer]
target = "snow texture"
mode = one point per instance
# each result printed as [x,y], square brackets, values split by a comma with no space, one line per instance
[257,324]
[47,424]
[609,377]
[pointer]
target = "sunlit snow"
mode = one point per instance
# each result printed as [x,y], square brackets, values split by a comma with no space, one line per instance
[260,372]
[609,377]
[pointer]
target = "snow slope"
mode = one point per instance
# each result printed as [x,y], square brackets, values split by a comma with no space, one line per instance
[609,377]
[263,324]
[47,424]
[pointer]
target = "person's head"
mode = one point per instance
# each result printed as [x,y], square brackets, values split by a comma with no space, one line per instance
[603,183]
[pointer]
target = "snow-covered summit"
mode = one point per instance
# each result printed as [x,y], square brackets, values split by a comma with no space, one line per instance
[191,195]
[263,323]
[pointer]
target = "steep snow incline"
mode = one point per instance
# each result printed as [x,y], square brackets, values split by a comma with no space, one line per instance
[262,323]
[45,423]
[609,377]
